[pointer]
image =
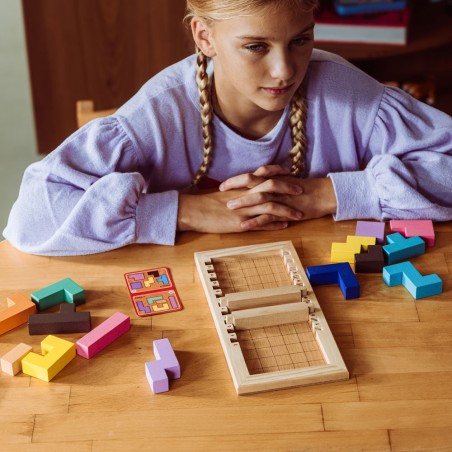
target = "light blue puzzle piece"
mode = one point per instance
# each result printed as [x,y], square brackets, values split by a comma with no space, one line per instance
[163,279]
[406,273]
[400,249]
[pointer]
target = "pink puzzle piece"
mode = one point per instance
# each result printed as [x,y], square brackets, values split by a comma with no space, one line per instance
[166,366]
[104,334]
[411,228]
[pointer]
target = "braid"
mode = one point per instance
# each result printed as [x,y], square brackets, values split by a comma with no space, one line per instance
[202,79]
[298,114]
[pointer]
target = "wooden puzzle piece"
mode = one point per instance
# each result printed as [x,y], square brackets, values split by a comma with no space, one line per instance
[419,286]
[371,229]
[412,228]
[56,355]
[17,312]
[103,335]
[62,291]
[345,252]
[268,316]
[399,248]
[371,262]
[152,291]
[165,367]
[261,298]
[66,321]
[340,273]
[240,287]
[11,362]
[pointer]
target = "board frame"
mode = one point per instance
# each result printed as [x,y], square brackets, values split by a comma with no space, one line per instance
[334,368]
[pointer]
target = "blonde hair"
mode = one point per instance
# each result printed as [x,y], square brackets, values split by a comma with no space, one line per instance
[211,10]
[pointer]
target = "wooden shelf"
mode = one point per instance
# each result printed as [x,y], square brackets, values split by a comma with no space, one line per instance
[426,55]
[430,27]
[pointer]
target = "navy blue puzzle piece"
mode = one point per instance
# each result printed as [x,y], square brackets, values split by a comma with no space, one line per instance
[340,273]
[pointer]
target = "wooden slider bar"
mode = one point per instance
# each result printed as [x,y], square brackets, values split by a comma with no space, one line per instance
[261,298]
[269,316]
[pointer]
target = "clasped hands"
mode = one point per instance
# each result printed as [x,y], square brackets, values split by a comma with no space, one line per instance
[267,199]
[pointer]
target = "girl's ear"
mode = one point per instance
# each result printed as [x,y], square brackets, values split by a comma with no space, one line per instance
[202,35]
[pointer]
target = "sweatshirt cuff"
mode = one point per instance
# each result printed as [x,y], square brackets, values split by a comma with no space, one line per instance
[156,218]
[356,196]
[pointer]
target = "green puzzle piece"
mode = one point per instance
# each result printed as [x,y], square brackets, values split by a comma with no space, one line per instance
[62,291]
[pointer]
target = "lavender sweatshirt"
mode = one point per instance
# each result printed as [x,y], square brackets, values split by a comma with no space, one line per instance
[115,181]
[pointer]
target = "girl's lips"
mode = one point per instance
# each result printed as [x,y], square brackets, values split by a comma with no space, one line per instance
[278,91]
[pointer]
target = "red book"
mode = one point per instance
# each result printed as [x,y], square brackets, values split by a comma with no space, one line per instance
[389,27]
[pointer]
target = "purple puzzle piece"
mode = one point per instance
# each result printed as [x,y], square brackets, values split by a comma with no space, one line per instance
[164,368]
[371,229]
[142,307]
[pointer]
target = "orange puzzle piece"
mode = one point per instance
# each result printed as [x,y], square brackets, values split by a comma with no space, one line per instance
[17,312]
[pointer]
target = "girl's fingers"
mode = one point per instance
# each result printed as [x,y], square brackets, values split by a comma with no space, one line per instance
[274,210]
[278,186]
[271,170]
[247,180]
[263,223]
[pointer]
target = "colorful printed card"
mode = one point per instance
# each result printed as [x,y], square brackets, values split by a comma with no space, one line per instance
[152,291]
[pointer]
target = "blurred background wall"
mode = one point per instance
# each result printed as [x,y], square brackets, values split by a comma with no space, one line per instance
[17,134]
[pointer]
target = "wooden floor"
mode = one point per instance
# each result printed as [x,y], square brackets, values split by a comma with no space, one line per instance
[398,351]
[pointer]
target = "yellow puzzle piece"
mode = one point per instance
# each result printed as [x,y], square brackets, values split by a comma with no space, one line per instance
[345,252]
[56,354]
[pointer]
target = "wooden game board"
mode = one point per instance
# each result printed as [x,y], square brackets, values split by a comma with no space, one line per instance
[271,327]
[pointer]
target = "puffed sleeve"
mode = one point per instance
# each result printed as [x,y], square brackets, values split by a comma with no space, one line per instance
[88,196]
[409,165]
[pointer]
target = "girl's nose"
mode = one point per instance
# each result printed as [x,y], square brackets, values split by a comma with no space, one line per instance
[281,66]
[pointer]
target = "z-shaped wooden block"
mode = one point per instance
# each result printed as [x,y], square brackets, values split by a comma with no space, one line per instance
[56,354]
[164,368]
[17,312]
[406,273]
[345,252]
[62,291]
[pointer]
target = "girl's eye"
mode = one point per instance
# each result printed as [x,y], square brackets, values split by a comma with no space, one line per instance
[255,48]
[301,41]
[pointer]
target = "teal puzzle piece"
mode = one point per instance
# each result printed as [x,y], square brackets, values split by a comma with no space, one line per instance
[400,249]
[64,291]
[406,273]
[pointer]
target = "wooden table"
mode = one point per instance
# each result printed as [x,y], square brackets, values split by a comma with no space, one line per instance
[398,351]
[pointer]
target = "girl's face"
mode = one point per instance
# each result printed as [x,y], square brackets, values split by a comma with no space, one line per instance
[259,60]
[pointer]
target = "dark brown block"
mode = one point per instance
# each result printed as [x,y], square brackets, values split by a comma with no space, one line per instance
[371,262]
[65,321]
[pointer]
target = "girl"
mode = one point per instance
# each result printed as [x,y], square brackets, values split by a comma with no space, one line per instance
[291,133]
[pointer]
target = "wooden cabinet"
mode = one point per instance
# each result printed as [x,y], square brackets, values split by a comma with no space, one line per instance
[96,49]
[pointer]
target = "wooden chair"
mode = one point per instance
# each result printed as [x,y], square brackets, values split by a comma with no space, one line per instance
[85,112]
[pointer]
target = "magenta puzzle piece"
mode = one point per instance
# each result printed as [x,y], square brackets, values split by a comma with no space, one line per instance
[412,228]
[166,366]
